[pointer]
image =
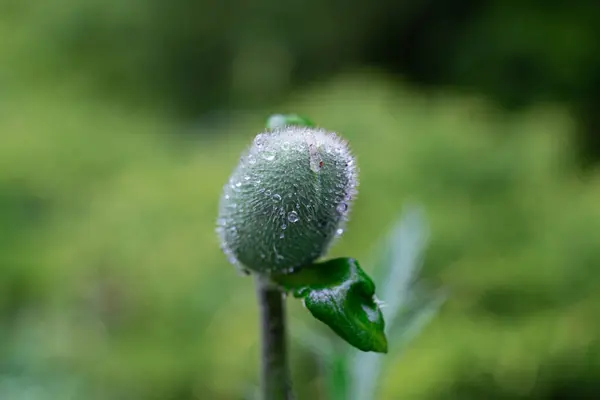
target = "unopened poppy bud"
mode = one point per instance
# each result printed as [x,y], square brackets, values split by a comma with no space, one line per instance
[287,200]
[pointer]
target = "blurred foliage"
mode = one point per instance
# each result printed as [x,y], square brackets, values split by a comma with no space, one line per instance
[199,56]
[409,306]
[109,261]
[112,285]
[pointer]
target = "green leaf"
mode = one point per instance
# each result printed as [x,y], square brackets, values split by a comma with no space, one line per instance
[280,120]
[337,384]
[401,259]
[341,295]
[415,314]
[408,305]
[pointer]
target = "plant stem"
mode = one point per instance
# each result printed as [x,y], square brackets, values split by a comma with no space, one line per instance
[275,377]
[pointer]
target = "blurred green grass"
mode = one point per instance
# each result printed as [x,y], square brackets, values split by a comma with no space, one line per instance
[108,249]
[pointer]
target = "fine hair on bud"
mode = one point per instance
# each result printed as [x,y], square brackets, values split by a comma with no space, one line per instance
[287,200]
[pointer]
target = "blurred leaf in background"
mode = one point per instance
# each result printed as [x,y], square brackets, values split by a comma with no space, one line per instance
[352,374]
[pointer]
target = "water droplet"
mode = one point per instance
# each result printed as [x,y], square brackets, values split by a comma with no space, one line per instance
[268,155]
[297,206]
[246,178]
[251,160]
[258,140]
[285,146]
[268,192]
[283,226]
[281,237]
[276,197]
[226,197]
[342,207]
[339,232]
[293,217]
[238,184]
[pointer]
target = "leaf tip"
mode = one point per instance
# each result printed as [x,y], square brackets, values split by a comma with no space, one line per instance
[380,345]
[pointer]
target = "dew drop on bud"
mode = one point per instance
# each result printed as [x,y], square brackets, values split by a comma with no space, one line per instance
[258,140]
[342,207]
[293,217]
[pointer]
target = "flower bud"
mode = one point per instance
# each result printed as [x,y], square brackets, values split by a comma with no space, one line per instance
[287,200]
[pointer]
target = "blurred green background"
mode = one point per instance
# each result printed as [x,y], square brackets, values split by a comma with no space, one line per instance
[121,120]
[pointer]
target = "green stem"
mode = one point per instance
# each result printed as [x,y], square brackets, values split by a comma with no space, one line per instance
[275,376]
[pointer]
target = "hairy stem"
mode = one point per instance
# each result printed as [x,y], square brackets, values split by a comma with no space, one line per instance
[275,376]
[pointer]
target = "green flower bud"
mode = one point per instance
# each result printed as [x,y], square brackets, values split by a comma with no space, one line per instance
[287,200]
